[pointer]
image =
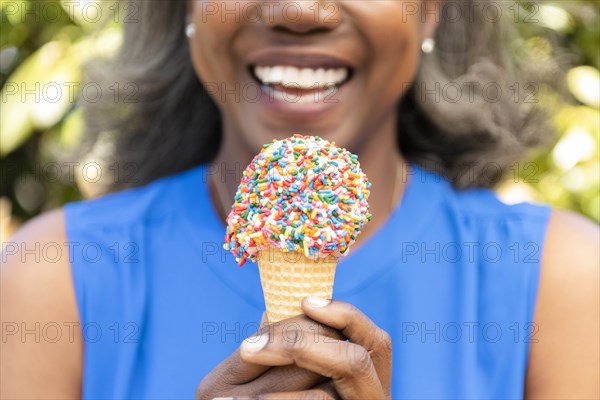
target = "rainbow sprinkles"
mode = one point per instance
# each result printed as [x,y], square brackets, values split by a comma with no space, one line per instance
[303,194]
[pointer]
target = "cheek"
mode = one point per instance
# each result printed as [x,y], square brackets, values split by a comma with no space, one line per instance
[392,29]
[401,57]
[209,48]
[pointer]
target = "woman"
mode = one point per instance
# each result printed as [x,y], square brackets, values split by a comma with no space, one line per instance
[471,298]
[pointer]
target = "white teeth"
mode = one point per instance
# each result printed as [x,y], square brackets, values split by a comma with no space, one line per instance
[305,78]
[321,96]
[291,76]
[276,74]
[339,75]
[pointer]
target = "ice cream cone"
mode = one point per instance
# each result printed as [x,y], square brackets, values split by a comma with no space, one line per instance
[300,205]
[288,277]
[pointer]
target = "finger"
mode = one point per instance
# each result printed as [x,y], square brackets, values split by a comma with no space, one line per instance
[234,398]
[287,378]
[347,364]
[302,322]
[235,371]
[324,390]
[312,394]
[288,329]
[298,322]
[358,328]
[230,373]
[282,379]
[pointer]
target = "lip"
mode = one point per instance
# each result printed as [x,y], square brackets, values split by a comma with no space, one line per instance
[295,111]
[304,58]
[290,110]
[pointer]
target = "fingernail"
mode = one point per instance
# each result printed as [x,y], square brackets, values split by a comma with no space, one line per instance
[254,344]
[317,301]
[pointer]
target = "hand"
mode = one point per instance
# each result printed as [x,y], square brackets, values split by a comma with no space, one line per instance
[303,353]
[237,378]
[358,368]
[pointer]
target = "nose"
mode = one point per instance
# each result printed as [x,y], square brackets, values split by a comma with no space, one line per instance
[302,16]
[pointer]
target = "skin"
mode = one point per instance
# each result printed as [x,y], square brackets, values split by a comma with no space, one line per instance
[39,291]
[356,368]
[382,70]
[564,363]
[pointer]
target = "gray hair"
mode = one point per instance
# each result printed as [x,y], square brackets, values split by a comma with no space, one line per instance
[173,125]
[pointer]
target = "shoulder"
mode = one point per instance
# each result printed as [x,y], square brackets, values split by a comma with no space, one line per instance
[34,256]
[137,204]
[564,361]
[481,203]
[486,203]
[572,247]
[128,204]
[23,253]
[42,350]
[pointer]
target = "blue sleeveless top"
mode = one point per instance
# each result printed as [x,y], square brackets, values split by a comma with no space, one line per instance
[452,276]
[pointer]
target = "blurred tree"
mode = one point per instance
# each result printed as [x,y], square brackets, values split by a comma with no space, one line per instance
[42,46]
[566,33]
[43,43]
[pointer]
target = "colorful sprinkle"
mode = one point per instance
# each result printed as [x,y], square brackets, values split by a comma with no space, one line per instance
[298,194]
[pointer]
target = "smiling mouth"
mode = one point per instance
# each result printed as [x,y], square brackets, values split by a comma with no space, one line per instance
[284,77]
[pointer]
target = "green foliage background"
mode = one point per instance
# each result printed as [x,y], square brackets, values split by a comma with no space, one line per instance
[43,43]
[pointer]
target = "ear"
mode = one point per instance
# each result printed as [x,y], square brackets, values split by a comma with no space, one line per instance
[431,15]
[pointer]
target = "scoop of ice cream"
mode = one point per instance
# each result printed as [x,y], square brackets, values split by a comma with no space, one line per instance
[302,193]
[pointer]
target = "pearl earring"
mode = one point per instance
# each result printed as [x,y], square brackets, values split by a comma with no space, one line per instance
[428,45]
[190,30]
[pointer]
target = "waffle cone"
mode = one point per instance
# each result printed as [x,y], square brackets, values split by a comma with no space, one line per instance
[287,278]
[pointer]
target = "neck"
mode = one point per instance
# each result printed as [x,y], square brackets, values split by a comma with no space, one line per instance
[379,159]
[386,168]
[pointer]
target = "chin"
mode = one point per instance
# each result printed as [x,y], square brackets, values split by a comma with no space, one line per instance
[339,134]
